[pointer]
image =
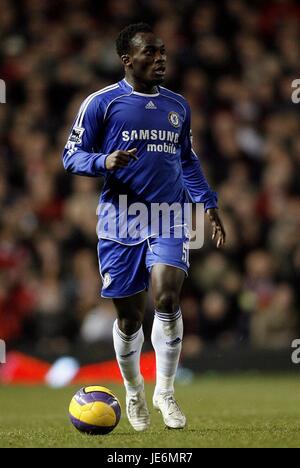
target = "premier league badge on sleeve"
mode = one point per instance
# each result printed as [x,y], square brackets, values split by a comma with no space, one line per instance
[174,119]
[76,135]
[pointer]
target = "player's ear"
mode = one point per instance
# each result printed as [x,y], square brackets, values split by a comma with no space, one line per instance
[126,60]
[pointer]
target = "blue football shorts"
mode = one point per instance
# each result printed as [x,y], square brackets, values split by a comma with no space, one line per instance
[125,269]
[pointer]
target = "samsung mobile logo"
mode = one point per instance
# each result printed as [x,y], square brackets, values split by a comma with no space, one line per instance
[162,135]
[2,352]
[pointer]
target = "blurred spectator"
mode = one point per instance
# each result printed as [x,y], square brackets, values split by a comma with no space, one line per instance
[273,326]
[98,323]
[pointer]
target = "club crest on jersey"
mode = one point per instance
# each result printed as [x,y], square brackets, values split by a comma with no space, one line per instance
[174,119]
[76,135]
[106,280]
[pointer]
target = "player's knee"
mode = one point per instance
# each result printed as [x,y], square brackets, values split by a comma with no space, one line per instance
[129,326]
[167,301]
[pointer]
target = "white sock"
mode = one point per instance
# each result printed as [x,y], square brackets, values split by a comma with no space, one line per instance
[167,333]
[128,352]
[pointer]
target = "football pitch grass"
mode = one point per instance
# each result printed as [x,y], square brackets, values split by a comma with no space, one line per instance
[222,411]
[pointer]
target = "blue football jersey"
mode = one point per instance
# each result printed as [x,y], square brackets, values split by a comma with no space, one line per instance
[159,126]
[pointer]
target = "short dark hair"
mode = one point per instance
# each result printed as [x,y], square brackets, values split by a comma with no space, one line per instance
[123,42]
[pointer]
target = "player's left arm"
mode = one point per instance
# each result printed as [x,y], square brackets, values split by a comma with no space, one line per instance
[196,183]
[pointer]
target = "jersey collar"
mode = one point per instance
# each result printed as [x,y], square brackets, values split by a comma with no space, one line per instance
[130,88]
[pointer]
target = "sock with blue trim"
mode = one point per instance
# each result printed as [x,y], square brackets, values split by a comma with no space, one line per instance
[128,352]
[167,334]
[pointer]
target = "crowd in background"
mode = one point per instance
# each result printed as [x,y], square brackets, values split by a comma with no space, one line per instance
[234,61]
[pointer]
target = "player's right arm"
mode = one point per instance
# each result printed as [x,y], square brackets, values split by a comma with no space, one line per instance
[80,154]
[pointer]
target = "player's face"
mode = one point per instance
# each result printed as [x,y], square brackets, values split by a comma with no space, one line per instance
[148,58]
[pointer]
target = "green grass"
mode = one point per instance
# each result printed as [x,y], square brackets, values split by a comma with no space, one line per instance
[222,411]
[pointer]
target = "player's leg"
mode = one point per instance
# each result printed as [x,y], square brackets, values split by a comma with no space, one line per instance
[168,259]
[167,334]
[167,331]
[125,279]
[128,341]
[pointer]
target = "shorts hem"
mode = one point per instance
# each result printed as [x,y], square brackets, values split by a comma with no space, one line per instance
[168,264]
[124,243]
[121,297]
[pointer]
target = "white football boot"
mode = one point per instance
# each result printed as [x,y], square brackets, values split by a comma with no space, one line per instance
[172,415]
[137,411]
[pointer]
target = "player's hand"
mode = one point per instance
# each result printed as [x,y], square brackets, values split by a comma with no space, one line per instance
[217,225]
[120,158]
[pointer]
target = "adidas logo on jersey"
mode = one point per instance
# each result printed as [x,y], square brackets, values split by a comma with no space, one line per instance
[150,105]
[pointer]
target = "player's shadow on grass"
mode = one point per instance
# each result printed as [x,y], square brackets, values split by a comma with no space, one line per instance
[149,432]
